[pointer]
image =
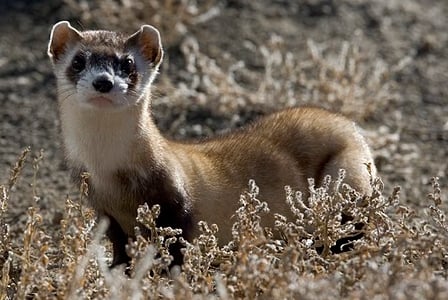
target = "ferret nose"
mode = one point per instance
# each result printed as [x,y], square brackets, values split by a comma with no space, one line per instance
[103,84]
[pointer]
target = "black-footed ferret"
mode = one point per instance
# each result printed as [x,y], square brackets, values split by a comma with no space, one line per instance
[104,93]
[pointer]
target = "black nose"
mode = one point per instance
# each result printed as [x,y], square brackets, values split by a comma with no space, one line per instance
[103,84]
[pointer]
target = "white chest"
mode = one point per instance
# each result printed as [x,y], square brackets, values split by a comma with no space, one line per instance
[99,142]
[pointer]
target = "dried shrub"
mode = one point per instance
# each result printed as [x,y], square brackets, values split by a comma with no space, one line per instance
[403,252]
[400,250]
[351,82]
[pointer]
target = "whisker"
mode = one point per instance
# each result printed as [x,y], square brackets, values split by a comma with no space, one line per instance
[125,99]
[67,97]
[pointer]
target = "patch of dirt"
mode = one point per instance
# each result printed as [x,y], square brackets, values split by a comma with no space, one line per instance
[409,134]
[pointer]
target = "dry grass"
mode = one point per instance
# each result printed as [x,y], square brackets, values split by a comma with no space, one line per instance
[403,254]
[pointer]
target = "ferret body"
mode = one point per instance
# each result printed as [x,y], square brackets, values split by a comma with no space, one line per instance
[104,81]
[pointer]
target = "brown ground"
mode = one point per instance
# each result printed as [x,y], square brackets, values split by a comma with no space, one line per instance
[408,129]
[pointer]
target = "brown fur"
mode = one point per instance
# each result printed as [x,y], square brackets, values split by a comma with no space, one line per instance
[285,148]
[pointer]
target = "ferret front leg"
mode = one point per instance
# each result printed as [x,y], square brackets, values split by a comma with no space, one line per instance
[119,241]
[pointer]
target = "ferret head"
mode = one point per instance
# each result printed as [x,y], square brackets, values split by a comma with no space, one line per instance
[104,69]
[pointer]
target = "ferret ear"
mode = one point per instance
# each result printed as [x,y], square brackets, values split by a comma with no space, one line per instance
[62,35]
[147,41]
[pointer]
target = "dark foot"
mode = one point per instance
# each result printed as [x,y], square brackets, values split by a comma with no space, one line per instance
[119,241]
[345,244]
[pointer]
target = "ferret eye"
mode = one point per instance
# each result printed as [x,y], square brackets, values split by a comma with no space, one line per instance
[127,66]
[79,63]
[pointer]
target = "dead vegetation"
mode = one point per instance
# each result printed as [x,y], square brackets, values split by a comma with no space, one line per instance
[403,254]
